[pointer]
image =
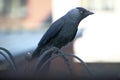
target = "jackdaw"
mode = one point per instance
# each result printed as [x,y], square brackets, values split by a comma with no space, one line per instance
[61,32]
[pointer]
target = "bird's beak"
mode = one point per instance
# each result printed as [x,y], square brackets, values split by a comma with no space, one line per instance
[89,13]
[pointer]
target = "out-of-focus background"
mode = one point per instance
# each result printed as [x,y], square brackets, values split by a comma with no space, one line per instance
[23,22]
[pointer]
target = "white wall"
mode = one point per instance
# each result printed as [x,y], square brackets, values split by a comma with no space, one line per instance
[101,39]
[60,7]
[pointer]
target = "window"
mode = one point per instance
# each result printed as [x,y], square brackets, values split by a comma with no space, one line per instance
[100,5]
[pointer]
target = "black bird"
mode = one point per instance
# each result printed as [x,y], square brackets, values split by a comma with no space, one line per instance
[61,32]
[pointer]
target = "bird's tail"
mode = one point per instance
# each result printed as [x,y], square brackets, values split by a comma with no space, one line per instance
[36,53]
[31,56]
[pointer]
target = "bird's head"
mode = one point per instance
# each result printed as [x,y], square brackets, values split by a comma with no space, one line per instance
[84,12]
[79,13]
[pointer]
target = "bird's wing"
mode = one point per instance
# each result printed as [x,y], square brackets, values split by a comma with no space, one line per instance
[51,32]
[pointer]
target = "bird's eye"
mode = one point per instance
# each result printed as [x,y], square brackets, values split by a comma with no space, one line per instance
[81,12]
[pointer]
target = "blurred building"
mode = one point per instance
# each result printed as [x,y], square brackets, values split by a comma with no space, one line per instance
[28,14]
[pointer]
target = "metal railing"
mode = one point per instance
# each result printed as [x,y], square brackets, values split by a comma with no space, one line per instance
[53,50]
